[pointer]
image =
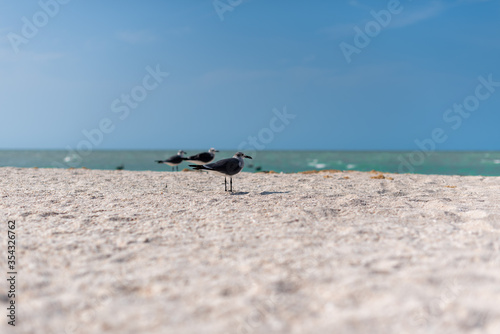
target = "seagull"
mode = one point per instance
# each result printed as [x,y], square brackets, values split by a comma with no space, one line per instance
[203,158]
[174,160]
[228,167]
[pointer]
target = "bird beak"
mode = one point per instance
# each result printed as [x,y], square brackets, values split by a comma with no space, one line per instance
[216,150]
[247,156]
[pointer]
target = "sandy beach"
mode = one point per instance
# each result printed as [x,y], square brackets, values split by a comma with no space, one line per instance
[159,252]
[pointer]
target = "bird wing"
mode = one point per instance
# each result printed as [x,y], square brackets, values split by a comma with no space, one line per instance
[175,159]
[197,167]
[229,166]
[200,156]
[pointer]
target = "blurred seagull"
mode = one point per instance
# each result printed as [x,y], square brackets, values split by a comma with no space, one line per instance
[174,160]
[228,167]
[203,158]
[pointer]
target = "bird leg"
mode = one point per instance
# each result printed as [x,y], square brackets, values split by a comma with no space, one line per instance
[225,184]
[231,183]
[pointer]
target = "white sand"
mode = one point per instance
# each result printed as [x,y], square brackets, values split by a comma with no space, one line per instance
[116,252]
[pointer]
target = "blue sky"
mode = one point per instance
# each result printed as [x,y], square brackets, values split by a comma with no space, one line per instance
[233,66]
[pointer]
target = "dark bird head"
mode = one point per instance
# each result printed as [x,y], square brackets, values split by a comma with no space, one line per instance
[242,155]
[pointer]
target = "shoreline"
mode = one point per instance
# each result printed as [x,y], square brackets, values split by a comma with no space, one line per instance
[310,171]
[439,163]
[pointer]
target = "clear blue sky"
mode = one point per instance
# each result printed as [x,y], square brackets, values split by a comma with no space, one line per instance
[228,70]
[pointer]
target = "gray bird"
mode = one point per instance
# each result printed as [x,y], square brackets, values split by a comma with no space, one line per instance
[228,167]
[203,158]
[174,160]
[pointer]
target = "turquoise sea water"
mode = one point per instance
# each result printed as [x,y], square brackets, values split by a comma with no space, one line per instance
[459,163]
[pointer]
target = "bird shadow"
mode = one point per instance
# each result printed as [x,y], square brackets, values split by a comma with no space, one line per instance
[273,192]
[239,193]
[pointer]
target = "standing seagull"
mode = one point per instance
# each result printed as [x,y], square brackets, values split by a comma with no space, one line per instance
[203,158]
[228,167]
[174,160]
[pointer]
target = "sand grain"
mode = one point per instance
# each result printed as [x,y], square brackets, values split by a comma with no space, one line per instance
[130,252]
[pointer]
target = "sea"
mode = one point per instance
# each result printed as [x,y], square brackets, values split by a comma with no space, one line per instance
[419,162]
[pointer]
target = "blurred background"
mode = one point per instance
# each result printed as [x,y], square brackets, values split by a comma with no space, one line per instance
[86,76]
